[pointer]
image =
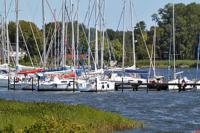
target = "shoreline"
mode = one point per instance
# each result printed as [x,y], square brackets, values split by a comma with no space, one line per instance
[32,117]
[165,63]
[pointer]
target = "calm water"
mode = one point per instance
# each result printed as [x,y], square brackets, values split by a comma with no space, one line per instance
[161,111]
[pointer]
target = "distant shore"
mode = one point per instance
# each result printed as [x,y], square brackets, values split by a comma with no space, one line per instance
[159,64]
[57,117]
[165,63]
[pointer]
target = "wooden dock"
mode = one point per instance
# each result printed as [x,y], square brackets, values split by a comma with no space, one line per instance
[122,86]
[152,86]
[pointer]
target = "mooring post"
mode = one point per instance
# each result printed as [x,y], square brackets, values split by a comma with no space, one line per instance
[32,83]
[179,87]
[184,87]
[122,84]
[116,87]
[138,84]
[147,85]
[96,84]
[136,89]
[14,83]
[8,82]
[135,86]
[195,84]
[73,85]
[38,83]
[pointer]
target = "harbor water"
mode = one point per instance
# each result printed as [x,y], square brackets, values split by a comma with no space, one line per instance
[160,111]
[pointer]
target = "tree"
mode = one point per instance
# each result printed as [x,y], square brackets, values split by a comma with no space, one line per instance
[26,31]
[187,25]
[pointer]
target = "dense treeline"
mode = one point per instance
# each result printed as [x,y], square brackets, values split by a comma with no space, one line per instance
[187,24]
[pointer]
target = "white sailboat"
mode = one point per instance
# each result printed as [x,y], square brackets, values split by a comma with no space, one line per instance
[4,71]
[57,84]
[4,68]
[23,82]
[129,74]
[96,80]
[3,79]
[154,79]
[177,79]
[13,83]
[197,69]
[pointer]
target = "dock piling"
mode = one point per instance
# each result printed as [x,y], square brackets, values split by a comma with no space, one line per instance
[38,83]
[96,84]
[147,85]
[122,84]
[8,82]
[14,83]
[73,85]
[179,87]
[32,83]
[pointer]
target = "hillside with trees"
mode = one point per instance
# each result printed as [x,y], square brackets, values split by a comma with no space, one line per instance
[187,24]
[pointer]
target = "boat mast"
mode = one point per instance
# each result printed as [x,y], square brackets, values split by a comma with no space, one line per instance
[55,41]
[198,52]
[123,55]
[133,35]
[66,30]
[154,52]
[174,41]
[17,34]
[3,39]
[59,54]
[89,50]
[44,36]
[102,10]
[73,42]
[96,35]
[170,54]
[77,45]
[7,34]
[63,34]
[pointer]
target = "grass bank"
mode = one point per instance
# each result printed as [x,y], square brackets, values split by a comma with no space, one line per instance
[165,63]
[58,117]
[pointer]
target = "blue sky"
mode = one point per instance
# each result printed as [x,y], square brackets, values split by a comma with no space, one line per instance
[31,10]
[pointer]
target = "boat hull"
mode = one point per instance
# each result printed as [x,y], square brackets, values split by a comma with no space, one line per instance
[3,83]
[178,81]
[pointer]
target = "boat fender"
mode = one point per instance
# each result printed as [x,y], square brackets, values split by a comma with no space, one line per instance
[17,79]
[102,86]
[69,84]
[139,82]
[108,86]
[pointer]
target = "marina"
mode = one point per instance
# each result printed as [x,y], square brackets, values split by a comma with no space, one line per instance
[69,53]
[118,86]
[96,85]
[89,73]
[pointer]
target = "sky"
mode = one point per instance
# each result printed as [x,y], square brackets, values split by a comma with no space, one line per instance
[31,10]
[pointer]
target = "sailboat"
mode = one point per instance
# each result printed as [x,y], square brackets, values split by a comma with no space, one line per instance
[197,69]
[4,68]
[128,74]
[15,84]
[177,78]
[155,78]
[4,71]
[97,78]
